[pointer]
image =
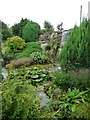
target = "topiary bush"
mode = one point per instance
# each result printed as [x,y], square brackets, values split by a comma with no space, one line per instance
[75,52]
[15,44]
[31,32]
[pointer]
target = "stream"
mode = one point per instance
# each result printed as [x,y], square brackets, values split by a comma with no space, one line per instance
[43,97]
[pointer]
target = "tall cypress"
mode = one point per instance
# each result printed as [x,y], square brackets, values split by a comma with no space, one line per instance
[76,51]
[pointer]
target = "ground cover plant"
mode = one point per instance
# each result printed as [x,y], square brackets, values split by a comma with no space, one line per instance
[30,48]
[34,74]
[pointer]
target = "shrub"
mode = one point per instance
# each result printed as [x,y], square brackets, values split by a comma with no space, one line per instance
[15,44]
[39,58]
[30,48]
[31,31]
[74,53]
[19,101]
[71,105]
[79,79]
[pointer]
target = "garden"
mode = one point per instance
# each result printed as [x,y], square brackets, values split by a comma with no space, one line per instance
[35,88]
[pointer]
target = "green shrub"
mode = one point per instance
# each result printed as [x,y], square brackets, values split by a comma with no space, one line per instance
[39,58]
[74,53]
[15,44]
[79,79]
[19,101]
[31,31]
[30,48]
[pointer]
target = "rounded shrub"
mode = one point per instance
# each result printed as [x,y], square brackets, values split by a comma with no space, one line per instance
[15,44]
[39,58]
[75,52]
[31,32]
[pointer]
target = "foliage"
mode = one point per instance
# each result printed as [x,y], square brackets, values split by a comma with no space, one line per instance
[40,58]
[75,51]
[34,58]
[78,79]
[73,104]
[6,31]
[35,75]
[19,101]
[30,48]
[17,28]
[31,31]
[15,44]
[53,46]
[48,28]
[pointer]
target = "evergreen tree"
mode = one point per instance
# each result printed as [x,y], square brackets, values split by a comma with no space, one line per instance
[48,28]
[6,31]
[31,31]
[17,28]
[75,53]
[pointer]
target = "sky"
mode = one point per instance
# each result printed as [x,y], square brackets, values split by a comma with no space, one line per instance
[54,11]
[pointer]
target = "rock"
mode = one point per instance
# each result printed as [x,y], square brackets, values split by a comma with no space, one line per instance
[19,63]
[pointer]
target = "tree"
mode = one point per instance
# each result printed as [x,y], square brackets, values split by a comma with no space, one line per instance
[48,27]
[17,28]
[31,31]
[60,27]
[6,31]
[75,53]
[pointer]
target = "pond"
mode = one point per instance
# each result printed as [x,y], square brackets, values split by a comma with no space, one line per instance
[44,99]
[4,72]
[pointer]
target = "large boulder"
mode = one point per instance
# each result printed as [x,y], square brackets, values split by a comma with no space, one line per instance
[20,62]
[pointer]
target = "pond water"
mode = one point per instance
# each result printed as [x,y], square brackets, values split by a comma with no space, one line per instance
[4,72]
[43,45]
[43,97]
